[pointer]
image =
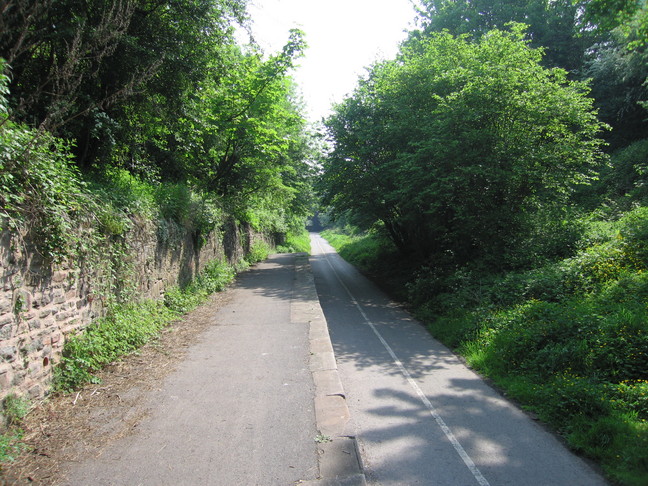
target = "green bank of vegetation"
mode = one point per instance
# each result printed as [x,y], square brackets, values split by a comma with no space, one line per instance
[129,326]
[493,176]
[136,109]
[113,113]
[568,340]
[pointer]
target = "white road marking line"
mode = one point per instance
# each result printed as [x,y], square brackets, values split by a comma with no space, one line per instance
[440,422]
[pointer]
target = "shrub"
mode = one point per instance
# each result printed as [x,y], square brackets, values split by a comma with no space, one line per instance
[626,173]
[568,339]
[11,445]
[125,192]
[214,278]
[40,188]
[365,250]
[123,331]
[259,251]
[297,241]
[634,237]
[14,409]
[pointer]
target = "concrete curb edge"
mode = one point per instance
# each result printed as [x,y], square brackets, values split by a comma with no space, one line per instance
[339,458]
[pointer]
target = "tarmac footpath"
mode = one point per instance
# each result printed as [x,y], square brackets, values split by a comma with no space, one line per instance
[256,401]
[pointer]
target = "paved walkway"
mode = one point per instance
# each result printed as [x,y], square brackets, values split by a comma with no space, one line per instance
[254,403]
[258,400]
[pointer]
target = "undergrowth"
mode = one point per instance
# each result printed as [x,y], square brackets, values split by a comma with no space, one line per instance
[127,327]
[376,257]
[213,278]
[361,249]
[13,410]
[568,340]
[296,242]
[259,251]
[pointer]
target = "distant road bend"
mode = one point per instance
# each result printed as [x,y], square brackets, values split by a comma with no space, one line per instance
[419,415]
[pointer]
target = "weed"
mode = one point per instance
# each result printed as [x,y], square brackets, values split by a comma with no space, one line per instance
[322,439]
[125,329]
[11,446]
[14,410]
[129,326]
[296,242]
[259,251]
[213,278]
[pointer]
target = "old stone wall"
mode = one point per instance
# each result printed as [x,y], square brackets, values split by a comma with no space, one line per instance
[42,303]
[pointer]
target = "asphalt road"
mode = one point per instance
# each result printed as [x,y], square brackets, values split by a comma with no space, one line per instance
[419,415]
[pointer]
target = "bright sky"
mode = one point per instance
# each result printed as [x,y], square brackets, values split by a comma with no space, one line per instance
[344,37]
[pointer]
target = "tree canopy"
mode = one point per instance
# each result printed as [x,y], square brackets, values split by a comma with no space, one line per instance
[448,145]
[163,90]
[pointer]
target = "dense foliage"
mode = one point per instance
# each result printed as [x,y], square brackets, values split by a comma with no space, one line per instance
[162,91]
[498,164]
[116,112]
[553,25]
[568,340]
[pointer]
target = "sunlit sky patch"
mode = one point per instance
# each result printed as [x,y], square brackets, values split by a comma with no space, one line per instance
[344,36]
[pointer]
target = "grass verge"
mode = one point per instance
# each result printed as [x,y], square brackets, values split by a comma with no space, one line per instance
[296,242]
[127,327]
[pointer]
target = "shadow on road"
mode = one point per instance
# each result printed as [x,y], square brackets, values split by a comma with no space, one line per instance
[270,278]
[403,438]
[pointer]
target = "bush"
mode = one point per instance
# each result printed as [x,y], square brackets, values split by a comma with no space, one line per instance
[14,409]
[625,175]
[568,339]
[547,235]
[365,250]
[11,445]
[259,251]
[40,188]
[123,331]
[634,237]
[214,278]
[125,192]
[296,242]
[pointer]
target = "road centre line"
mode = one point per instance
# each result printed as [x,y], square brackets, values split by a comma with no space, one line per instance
[440,422]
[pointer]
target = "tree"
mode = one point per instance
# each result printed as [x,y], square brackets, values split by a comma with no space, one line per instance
[554,25]
[80,68]
[618,67]
[619,88]
[162,89]
[627,19]
[452,143]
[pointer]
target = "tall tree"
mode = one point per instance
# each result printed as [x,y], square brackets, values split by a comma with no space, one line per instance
[74,63]
[554,25]
[449,145]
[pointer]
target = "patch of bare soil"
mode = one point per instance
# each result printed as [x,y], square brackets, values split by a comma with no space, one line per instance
[69,428]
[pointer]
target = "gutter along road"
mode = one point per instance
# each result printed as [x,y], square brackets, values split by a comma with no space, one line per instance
[418,414]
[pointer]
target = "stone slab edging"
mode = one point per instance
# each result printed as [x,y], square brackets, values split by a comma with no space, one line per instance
[338,455]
